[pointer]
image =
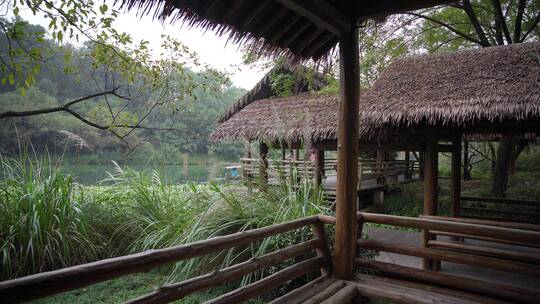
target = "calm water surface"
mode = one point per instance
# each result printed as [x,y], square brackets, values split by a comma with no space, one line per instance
[200,171]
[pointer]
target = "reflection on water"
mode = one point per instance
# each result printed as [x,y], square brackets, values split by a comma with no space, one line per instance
[201,171]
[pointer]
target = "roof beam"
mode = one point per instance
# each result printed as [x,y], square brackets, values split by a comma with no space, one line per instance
[320,13]
[380,8]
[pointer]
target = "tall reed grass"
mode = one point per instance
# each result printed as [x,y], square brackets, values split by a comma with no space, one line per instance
[48,221]
[43,221]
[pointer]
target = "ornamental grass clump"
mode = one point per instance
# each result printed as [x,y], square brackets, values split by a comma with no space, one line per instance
[43,224]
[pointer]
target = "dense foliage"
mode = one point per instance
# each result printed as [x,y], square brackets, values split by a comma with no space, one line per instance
[48,221]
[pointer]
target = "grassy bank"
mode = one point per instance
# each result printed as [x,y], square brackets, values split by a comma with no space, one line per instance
[48,221]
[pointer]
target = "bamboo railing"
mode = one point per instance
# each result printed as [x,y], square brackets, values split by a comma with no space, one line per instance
[388,171]
[62,280]
[500,209]
[528,263]
[523,262]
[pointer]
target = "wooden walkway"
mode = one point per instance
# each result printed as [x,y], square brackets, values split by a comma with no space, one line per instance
[412,238]
[330,183]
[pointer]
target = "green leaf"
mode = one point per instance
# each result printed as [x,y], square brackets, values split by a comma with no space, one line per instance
[103,8]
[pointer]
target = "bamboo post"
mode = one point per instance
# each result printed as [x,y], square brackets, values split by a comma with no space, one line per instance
[456,175]
[319,166]
[347,171]
[246,164]
[421,165]
[431,162]
[381,157]
[318,232]
[408,169]
[263,167]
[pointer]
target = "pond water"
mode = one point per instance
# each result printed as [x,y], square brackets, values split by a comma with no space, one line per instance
[200,171]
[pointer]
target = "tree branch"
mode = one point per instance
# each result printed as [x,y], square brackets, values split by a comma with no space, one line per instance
[475,23]
[448,27]
[499,20]
[519,20]
[56,109]
[533,26]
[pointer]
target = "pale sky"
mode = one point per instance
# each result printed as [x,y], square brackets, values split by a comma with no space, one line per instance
[212,50]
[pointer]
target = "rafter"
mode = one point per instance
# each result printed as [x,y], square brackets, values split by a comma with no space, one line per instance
[322,13]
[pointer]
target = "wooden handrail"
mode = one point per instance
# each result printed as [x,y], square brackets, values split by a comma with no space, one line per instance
[524,236]
[505,224]
[461,258]
[53,282]
[177,291]
[264,285]
[499,201]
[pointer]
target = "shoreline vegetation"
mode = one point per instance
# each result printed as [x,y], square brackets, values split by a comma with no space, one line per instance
[48,220]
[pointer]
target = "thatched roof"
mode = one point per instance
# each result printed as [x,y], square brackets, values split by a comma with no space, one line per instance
[462,89]
[263,89]
[300,30]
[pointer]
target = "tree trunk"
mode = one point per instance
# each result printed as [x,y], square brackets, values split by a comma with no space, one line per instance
[504,157]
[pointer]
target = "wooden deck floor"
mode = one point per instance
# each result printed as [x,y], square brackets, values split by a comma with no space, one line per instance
[412,238]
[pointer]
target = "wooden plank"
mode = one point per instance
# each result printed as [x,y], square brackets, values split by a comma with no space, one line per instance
[321,13]
[482,238]
[347,171]
[344,295]
[326,293]
[275,280]
[301,294]
[407,292]
[524,236]
[461,258]
[506,224]
[177,291]
[520,256]
[53,282]
[505,292]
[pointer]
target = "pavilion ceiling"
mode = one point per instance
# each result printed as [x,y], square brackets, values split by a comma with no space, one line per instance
[299,29]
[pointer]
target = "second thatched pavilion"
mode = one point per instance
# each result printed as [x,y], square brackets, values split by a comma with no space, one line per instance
[423,103]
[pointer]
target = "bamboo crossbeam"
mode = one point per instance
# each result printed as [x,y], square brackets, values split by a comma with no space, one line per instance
[179,290]
[460,258]
[344,295]
[523,236]
[499,201]
[506,292]
[481,238]
[264,285]
[325,293]
[505,224]
[526,257]
[53,282]
[301,294]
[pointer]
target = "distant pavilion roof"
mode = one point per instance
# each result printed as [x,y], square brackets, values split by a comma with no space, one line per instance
[465,89]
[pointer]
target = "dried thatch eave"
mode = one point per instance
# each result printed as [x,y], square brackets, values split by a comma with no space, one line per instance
[266,27]
[263,89]
[467,89]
